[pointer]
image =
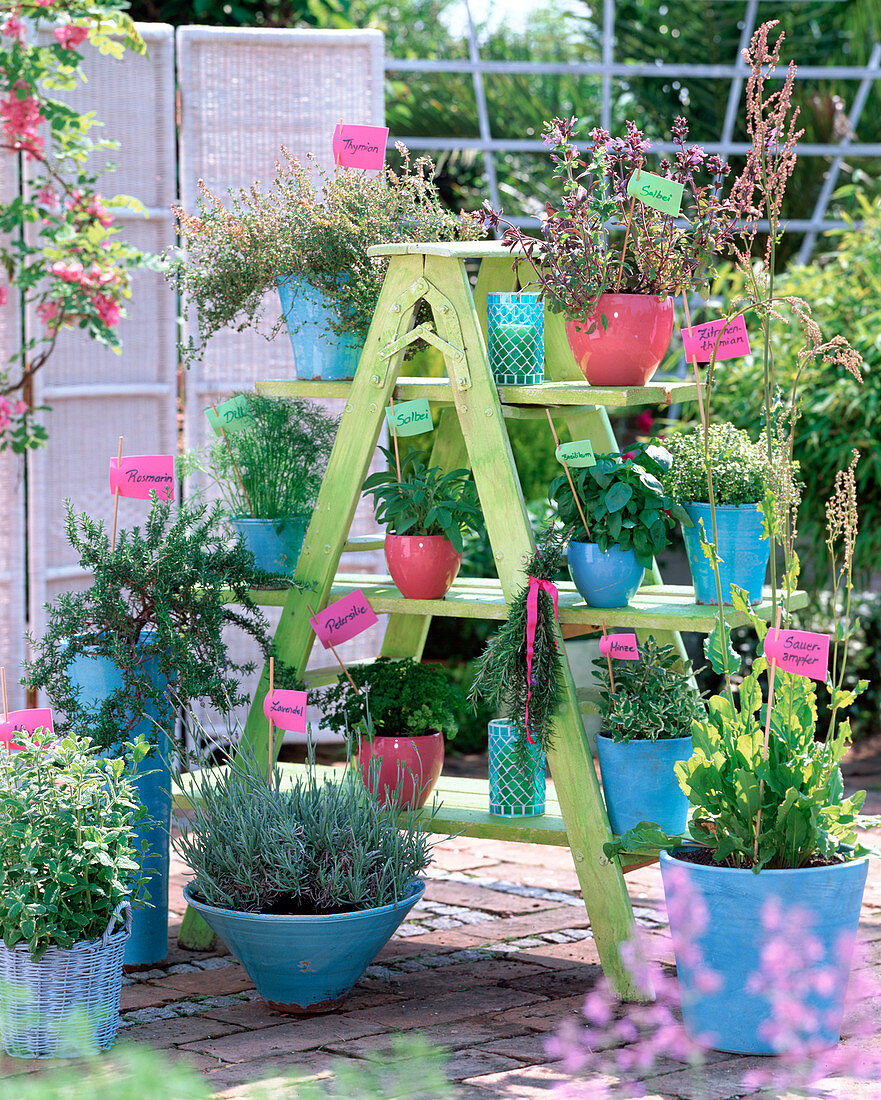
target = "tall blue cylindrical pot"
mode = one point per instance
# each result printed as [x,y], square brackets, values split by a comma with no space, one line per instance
[96,677]
[517,779]
[275,543]
[639,783]
[319,352]
[808,917]
[605,578]
[743,550]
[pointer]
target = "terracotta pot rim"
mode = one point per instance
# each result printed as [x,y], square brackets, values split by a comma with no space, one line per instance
[401,736]
[439,538]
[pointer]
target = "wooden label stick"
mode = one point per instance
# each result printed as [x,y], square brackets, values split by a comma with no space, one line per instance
[271,758]
[339,659]
[5,704]
[395,437]
[568,476]
[772,668]
[234,463]
[116,498]
[700,403]
[627,230]
[609,662]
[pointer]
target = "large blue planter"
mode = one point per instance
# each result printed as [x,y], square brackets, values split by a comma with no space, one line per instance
[604,578]
[732,1017]
[319,352]
[96,677]
[639,783]
[741,546]
[275,543]
[306,963]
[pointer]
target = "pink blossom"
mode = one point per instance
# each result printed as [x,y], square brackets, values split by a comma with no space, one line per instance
[99,212]
[107,308]
[13,27]
[48,197]
[48,312]
[644,421]
[4,414]
[4,294]
[20,408]
[70,36]
[21,117]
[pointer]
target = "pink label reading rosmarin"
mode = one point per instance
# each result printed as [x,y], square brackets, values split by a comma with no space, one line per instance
[622,647]
[139,475]
[359,146]
[344,619]
[287,709]
[798,651]
[701,339]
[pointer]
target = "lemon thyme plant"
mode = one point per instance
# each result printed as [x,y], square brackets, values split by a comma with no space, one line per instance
[740,466]
[61,251]
[232,256]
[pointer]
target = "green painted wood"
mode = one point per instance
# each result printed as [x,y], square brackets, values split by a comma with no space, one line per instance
[195,934]
[547,395]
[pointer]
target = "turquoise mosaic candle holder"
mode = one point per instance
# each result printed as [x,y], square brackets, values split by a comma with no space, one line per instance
[515,789]
[515,325]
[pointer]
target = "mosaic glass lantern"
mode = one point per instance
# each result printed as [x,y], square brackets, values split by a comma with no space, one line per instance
[516,789]
[515,324]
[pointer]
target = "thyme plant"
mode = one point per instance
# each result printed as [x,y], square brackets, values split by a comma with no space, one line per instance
[740,467]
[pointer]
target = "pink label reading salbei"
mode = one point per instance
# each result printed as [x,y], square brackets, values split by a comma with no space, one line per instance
[139,475]
[344,619]
[287,709]
[799,651]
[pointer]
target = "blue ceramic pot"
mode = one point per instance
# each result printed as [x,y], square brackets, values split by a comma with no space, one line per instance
[743,550]
[604,579]
[306,963]
[639,783]
[275,543]
[97,677]
[319,352]
[731,1017]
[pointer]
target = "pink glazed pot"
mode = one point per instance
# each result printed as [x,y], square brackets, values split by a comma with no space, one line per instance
[413,762]
[628,351]
[422,566]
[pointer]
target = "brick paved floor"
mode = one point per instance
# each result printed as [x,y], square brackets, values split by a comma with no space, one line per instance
[496,955]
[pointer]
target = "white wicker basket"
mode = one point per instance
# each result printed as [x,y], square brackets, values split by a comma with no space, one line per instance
[67,1004]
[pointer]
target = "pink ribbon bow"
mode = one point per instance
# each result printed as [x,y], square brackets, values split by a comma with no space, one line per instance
[535,586]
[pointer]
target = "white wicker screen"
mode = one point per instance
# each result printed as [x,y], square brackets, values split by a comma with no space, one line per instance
[97,396]
[245,93]
[12,530]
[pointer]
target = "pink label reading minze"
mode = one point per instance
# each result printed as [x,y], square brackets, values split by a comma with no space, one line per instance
[622,647]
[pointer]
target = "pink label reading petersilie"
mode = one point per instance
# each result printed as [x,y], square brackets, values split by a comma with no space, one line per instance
[622,647]
[360,146]
[344,619]
[799,651]
[701,339]
[287,709]
[139,475]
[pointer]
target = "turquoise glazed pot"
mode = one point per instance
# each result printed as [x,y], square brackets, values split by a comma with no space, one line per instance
[604,579]
[743,550]
[818,913]
[305,964]
[639,783]
[319,352]
[275,543]
[516,785]
[97,677]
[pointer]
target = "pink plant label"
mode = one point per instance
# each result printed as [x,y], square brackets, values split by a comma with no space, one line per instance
[139,475]
[701,339]
[287,709]
[622,647]
[343,620]
[799,651]
[30,721]
[359,146]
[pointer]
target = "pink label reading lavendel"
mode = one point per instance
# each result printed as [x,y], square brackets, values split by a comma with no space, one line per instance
[360,146]
[622,647]
[799,651]
[344,619]
[701,339]
[139,475]
[287,709]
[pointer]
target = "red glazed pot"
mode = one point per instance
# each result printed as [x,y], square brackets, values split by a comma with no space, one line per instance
[627,352]
[413,762]
[422,566]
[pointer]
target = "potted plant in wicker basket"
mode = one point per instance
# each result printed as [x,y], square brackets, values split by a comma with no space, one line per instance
[611,262]
[119,657]
[306,883]
[313,248]
[397,712]
[269,474]
[68,873]
[426,512]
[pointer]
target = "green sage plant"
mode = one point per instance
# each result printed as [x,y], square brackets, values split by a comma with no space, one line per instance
[67,855]
[281,459]
[231,256]
[425,500]
[741,470]
[308,848]
[623,501]
[654,698]
[395,697]
[161,600]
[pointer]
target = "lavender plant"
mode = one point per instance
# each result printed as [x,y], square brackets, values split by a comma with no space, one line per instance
[595,240]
